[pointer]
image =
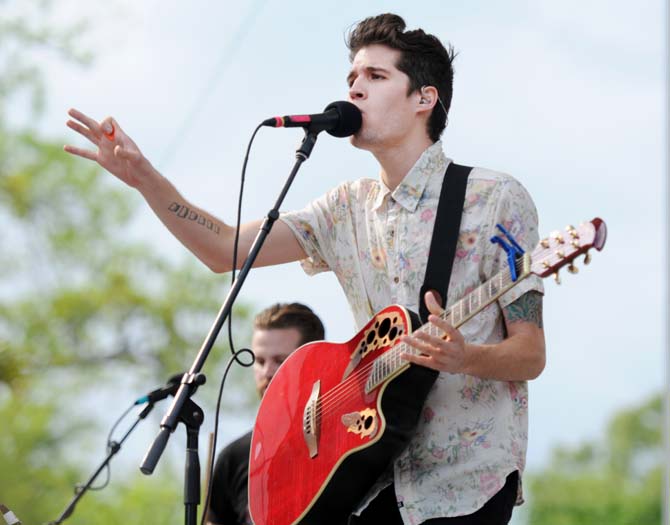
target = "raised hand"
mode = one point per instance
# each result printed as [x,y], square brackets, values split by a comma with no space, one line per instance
[115,151]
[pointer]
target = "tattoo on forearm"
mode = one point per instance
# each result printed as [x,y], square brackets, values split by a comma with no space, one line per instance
[185,212]
[526,308]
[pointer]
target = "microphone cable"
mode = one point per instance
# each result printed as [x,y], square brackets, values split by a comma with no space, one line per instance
[81,488]
[109,446]
[235,354]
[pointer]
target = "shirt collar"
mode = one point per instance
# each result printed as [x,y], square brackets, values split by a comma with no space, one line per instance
[408,193]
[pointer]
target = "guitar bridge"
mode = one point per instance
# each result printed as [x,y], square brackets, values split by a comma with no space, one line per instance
[311,420]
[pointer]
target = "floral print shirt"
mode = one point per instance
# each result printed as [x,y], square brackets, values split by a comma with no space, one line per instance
[473,432]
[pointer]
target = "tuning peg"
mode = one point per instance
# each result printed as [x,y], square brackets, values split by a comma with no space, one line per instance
[587,258]
[544,243]
[573,233]
[559,237]
[572,268]
[557,278]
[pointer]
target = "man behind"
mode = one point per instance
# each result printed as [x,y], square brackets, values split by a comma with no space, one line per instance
[465,461]
[278,331]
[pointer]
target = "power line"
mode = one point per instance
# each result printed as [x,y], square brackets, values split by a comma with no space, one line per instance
[228,53]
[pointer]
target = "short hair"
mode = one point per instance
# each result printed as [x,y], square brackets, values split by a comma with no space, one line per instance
[423,59]
[291,315]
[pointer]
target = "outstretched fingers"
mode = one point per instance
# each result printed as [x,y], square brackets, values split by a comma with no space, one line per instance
[81,152]
[87,121]
[83,130]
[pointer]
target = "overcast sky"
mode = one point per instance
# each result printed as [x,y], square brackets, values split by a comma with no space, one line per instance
[569,97]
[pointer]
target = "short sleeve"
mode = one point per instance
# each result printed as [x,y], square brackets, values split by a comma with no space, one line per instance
[516,212]
[316,228]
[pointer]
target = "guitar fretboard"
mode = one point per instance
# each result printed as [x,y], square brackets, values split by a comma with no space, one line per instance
[391,363]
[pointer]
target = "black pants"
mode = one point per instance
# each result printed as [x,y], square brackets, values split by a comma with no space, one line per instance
[496,511]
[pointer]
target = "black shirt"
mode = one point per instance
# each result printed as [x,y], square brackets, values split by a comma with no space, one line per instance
[229,503]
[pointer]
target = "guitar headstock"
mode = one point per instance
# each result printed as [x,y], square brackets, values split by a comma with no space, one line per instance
[562,248]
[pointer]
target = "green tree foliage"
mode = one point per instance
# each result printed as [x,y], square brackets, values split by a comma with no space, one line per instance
[83,305]
[617,481]
[26,31]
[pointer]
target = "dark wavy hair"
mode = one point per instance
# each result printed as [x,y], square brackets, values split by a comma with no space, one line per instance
[291,315]
[423,59]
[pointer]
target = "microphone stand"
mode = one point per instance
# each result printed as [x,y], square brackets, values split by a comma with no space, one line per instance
[113,450]
[182,407]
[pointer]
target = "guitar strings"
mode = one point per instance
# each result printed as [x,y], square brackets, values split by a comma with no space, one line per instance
[350,387]
[454,311]
[341,392]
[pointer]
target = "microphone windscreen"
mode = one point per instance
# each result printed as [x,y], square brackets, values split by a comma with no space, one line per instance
[350,118]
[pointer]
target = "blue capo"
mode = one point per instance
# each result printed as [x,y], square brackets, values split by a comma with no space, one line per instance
[512,249]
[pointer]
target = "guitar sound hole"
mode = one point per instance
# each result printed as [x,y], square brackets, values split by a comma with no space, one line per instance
[370,337]
[393,333]
[368,422]
[384,327]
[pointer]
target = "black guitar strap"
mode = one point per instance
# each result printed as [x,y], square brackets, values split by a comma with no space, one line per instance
[445,235]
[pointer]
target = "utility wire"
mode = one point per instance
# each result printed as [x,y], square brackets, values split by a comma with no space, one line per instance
[228,53]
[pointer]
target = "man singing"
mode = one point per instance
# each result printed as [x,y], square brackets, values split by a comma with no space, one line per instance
[465,462]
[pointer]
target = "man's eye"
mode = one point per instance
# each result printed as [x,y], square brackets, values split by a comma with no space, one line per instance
[374,76]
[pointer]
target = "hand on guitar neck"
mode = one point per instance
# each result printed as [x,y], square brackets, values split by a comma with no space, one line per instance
[442,348]
[519,357]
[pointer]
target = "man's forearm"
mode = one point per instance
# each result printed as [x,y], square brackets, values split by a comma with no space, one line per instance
[207,237]
[519,357]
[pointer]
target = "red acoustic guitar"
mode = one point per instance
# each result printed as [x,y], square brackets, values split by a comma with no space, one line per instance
[335,414]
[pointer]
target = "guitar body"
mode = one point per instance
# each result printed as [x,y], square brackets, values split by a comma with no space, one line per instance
[323,435]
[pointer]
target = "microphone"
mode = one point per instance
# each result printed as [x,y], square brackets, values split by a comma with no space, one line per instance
[340,119]
[159,394]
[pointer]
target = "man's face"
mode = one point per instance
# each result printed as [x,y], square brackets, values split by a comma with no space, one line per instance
[379,90]
[272,347]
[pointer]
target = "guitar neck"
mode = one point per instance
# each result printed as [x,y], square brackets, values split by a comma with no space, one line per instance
[390,363]
[482,296]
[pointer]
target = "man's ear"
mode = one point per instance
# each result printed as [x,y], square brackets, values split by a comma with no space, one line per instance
[427,96]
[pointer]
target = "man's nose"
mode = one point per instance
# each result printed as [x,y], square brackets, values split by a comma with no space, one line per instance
[356,91]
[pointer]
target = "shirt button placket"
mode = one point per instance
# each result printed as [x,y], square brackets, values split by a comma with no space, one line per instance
[391,246]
